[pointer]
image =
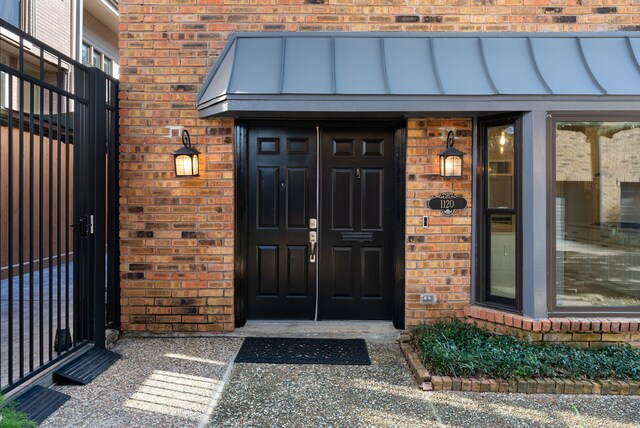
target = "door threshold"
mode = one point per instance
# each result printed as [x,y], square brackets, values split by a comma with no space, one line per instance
[376,331]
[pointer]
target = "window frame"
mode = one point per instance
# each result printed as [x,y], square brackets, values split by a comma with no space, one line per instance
[102,57]
[106,60]
[89,49]
[482,225]
[552,302]
[96,54]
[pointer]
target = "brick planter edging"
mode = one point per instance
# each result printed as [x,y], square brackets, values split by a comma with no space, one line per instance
[577,332]
[428,382]
[422,375]
[536,386]
[554,325]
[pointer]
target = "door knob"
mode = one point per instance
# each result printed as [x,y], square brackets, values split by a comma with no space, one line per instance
[313,239]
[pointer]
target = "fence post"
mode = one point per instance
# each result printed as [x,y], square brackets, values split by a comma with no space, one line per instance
[113,203]
[81,258]
[96,157]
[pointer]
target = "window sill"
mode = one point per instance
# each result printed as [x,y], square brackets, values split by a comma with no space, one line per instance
[492,306]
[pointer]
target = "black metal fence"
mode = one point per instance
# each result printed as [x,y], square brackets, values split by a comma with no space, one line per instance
[58,206]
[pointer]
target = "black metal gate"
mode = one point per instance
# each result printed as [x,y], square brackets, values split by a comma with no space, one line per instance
[58,206]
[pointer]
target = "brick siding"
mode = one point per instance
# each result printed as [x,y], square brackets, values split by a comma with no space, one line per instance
[51,23]
[438,257]
[177,235]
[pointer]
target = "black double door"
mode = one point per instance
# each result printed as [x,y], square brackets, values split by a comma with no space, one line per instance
[320,209]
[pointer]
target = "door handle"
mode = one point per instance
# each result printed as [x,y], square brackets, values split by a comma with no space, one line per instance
[313,239]
[84,225]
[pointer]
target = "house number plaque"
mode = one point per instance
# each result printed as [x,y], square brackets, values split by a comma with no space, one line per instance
[447,202]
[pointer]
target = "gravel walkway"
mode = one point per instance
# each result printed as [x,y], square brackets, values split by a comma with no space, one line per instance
[168,382]
[385,395]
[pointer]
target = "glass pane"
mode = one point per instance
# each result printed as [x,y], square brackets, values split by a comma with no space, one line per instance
[453,166]
[107,67]
[597,214]
[502,259]
[85,54]
[95,58]
[10,12]
[4,89]
[500,166]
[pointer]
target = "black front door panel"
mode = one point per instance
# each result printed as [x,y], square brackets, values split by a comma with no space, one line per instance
[282,198]
[356,258]
[354,251]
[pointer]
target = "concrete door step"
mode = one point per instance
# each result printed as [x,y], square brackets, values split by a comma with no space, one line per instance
[377,331]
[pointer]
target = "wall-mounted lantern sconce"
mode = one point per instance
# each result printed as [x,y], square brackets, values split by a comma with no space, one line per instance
[451,159]
[186,158]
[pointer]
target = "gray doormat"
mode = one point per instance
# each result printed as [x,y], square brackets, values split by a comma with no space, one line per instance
[275,350]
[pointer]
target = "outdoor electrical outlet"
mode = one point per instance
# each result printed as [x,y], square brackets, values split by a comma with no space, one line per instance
[428,298]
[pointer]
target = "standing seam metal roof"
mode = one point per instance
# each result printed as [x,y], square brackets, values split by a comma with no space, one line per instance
[428,64]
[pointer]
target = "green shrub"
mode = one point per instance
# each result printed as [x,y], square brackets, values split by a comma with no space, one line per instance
[10,418]
[454,348]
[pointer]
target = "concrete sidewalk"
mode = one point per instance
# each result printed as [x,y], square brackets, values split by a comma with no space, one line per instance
[175,382]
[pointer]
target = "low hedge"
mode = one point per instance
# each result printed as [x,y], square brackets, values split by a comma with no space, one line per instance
[10,418]
[457,349]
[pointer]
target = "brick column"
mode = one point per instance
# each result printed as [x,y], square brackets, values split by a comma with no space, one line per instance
[438,257]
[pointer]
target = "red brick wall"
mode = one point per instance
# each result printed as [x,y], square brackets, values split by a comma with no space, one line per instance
[438,257]
[176,235]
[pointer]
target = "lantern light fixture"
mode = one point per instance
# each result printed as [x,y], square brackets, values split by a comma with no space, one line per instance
[451,159]
[186,158]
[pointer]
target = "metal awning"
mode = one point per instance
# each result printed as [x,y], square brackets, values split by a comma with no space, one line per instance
[402,72]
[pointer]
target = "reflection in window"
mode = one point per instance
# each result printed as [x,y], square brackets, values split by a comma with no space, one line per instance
[500,215]
[4,90]
[86,53]
[10,12]
[597,214]
[107,66]
[500,155]
[95,58]
[503,256]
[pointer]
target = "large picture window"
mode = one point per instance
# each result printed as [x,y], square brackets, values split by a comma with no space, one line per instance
[597,215]
[499,218]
